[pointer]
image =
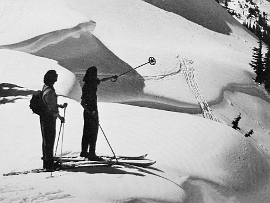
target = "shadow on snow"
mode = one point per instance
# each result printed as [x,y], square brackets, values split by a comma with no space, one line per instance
[8,90]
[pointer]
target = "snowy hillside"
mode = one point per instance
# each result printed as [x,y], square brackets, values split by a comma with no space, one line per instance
[132,36]
[202,56]
[247,11]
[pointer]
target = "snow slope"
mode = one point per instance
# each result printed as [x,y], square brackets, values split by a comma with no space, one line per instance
[132,36]
[43,16]
[191,152]
[198,160]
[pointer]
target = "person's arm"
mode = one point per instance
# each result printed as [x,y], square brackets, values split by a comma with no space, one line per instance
[62,105]
[109,78]
[51,100]
[85,107]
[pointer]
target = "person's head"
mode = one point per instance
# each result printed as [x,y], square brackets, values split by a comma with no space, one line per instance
[91,73]
[50,78]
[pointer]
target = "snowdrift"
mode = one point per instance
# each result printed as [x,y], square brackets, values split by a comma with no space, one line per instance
[118,43]
[192,154]
[34,18]
[27,71]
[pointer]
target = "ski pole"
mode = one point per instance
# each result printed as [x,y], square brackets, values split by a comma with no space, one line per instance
[62,124]
[56,146]
[151,61]
[65,107]
[108,143]
[58,138]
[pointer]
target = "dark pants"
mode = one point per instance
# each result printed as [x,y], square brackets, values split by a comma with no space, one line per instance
[48,130]
[90,132]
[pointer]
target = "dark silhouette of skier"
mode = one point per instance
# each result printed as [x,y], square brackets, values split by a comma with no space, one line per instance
[235,122]
[248,134]
[90,114]
[48,120]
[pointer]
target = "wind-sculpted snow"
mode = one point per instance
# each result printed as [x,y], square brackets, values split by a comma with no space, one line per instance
[198,161]
[27,71]
[205,150]
[21,20]
[124,36]
[76,49]
[38,43]
[246,167]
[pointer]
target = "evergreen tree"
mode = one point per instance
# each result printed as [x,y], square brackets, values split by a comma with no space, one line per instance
[267,68]
[257,63]
[226,3]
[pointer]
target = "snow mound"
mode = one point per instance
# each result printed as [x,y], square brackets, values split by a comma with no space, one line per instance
[193,155]
[203,149]
[245,166]
[43,16]
[125,36]
[15,64]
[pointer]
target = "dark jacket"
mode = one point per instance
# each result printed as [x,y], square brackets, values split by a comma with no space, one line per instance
[89,94]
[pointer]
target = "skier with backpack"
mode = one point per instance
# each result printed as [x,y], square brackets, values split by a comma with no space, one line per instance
[44,103]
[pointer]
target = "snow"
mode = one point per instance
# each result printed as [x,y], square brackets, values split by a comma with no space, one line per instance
[242,8]
[197,160]
[45,16]
[36,66]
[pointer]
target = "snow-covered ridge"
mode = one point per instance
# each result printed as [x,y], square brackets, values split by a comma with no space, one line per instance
[37,43]
[33,18]
[125,29]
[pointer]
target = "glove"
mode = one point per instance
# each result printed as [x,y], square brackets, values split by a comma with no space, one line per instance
[114,78]
[62,119]
[63,105]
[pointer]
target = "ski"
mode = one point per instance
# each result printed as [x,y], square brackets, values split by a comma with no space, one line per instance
[78,158]
[109,162]
[127,157]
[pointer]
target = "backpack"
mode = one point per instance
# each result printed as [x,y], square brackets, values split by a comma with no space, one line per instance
[37,104]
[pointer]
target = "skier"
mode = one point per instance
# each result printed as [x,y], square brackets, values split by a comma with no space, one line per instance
[236,121]
[48,120]
[90,114]
[249,133]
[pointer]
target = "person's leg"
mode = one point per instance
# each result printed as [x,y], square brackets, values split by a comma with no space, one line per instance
[93,139]
[42,126]
[49,132]
[86,134]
